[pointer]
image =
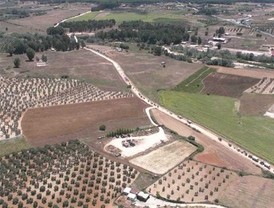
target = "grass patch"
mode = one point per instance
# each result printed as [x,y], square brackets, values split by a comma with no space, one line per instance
[120,16]
[13,145]
[218,113]
[194,84]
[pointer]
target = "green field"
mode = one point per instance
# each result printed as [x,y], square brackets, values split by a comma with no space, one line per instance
[219,114]
[13,145]
[120,16]
[193,84]
[87,16]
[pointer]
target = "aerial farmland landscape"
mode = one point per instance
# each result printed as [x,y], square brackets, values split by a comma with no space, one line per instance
[136,104]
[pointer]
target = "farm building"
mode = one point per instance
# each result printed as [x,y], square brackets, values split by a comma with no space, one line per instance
[126,191]
[142,196]
[131,196]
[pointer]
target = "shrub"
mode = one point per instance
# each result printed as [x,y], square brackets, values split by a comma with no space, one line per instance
[17,62]
[102,128]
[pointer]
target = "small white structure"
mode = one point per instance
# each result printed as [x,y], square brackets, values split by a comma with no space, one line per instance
[126,191]
[142,196]
[131,196]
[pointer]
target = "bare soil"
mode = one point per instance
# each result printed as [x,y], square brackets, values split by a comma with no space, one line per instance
[249,192]
[146,69]
[214,153]
[164,158]
[79,64]
[227,85]
[56,124]
[255,104]
[53,16]
[255,73]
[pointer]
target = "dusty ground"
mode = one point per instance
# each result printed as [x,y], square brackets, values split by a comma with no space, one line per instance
[146,69]
[141,144]
[214,153]
[164,158]
[41,23]
[255,73]
[61,123]
[227,85]
[249,192]
[255,104]
[193,182]
[79,64]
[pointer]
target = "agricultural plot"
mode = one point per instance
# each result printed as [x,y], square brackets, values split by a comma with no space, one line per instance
[41,23]
[69,174]
[227,85]
[148,73]
[249,191]
[56,124]
[252,104]
[264,86]
[192,182]
[218,113]
[120,16]
[214,152]
[164,158]
[20,94]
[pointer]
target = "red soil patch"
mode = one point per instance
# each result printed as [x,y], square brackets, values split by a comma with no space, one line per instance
[227,85]
[214,152]
[56,124]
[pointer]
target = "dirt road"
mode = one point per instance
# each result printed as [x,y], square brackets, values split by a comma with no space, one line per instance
[214,137]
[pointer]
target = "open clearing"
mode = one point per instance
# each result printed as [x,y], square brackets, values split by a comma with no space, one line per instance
[192,182]
[148,73]
[249,192]
[13,145]
[141,143]
[255,73]
[218,113]
[79,64]
[214,153]
[61,123]
[161,160]
[120,16]
[255,104]
[41,23]
[227,85]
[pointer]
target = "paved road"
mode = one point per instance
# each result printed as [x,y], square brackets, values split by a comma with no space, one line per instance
[234,148]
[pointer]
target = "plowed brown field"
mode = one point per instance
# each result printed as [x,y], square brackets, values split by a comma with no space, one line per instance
[227,85]
[56,124]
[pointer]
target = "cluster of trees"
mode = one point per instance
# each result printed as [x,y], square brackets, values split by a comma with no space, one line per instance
[151,33]
[22,43]
[210,57]
[119,132]
[90,25]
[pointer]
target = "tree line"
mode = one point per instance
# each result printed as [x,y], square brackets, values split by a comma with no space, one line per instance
[89,25]
[55,38]
[151,33]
